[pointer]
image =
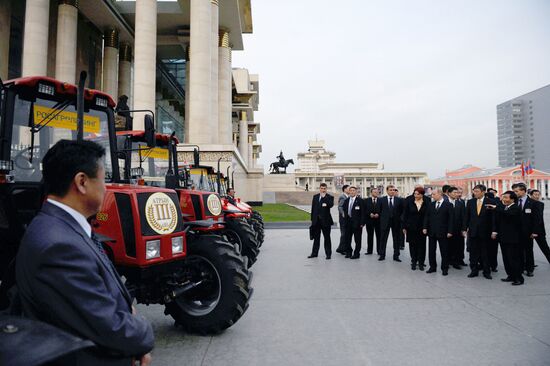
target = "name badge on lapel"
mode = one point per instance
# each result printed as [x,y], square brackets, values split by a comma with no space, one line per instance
[357,207]
[324,205]
[527,210]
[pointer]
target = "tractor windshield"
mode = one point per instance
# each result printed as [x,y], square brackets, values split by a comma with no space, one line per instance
[153,161]
[201,180]
[52,121]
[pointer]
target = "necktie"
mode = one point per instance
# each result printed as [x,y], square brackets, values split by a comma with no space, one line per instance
[374,201]
[100,247]
[479,203]
[391,202]
[437,205]
[350,206]
[521,203]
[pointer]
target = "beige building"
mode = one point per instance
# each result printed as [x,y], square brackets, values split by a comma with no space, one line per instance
[171,57]
[318,165]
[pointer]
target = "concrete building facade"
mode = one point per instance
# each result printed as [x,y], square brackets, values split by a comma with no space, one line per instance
[523,125]
[173,58]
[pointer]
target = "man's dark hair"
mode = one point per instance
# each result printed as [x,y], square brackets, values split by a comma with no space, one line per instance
[451,189]
[445,188]
[344,187]
[66,159]
[520,186]
[535,191]
[323,185]
[512,195]
[231,189]
[481,187]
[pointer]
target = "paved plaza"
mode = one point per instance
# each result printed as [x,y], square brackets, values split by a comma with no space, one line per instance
[366,312]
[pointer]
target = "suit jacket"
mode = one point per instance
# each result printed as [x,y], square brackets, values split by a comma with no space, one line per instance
[531,218]
[459,211]
[541,216]
[371,208]
[439,222]
[508,224]
[412,219]
[320,210]
[63,279]
[387,215]
[479,226]
[357,217]
[341,200]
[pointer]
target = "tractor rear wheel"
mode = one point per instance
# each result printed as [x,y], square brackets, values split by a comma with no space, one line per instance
[239,231]
[258,224]
[222,296]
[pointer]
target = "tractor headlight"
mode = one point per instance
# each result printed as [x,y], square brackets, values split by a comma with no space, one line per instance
[46,89]
[102,102]
[177,244]
[152,249]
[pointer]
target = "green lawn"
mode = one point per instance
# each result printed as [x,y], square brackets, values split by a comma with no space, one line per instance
[278,212]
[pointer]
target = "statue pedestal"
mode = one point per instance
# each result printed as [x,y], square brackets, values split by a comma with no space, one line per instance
[282,188]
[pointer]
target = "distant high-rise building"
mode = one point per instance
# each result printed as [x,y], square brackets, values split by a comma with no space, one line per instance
[524,130]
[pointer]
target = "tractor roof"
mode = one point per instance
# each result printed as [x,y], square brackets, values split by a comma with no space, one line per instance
[139,136]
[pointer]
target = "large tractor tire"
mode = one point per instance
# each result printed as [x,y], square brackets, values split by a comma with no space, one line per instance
[222,297]
[258,224]
[242,235]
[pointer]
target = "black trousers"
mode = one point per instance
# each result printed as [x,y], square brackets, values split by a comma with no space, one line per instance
[492,253]
[528,255]
[443,250]
[395,226]
[317,229]
[356,233]
[456,249]
[417,247]
[478,254]
[543,245]
[512,257]
[373,228]
[342,245]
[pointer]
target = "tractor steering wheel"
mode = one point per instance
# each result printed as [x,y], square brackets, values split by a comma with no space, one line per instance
[22,162]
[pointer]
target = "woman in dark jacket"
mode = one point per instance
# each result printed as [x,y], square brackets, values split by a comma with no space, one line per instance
[414,209]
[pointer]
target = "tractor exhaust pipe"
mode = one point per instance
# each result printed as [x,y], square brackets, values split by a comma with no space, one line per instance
[80,106]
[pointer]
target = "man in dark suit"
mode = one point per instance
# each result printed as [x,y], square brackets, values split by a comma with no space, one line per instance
[492,247]
[438,225]
[355,219]
[541,239]
[456,242]
[341,219]
[508,232]
[391,208]
[63,276]
[531,227]
[321,221]
[372,220]
[478,226]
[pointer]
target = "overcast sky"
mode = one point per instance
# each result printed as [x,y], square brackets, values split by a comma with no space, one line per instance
[411,84]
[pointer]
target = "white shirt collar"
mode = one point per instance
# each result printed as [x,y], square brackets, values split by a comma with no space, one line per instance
[75,215]
[441,201]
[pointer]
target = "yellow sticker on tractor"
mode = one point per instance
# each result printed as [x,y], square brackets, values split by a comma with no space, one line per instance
[155,152]
[64,119]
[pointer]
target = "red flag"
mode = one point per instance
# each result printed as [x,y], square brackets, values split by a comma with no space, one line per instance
[522,169]
[529,167]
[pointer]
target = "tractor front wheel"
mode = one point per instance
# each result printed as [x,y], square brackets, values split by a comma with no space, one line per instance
[240,232]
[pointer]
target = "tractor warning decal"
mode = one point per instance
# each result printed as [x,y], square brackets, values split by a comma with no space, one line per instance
[161,213]
[214,205]
[64,119]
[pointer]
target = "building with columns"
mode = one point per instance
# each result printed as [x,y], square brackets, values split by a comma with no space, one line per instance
[170,57]
[500,179]
[318,165]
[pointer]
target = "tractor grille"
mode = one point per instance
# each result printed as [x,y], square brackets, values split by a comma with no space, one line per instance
[197,206]
[124,205]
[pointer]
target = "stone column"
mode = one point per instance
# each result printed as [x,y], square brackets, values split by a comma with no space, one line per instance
[5,25]
[214,29]
[145,58]
[250,153]
[65,50]
[243,137]
[225,128]
[125,71]
[200,131]
[35,39]
[110,62]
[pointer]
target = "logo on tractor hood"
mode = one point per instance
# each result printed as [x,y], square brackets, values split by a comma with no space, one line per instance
[161,213]
[214,205]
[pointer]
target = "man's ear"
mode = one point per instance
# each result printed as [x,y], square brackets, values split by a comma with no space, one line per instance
[80,181]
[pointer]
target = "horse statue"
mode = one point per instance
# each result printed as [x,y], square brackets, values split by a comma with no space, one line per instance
[274,168]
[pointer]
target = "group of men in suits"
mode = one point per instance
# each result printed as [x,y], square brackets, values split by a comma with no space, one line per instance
[450,223]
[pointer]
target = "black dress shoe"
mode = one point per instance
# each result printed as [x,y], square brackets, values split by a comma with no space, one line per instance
[421,267]
[494,270]
[340,251]
[355,256]
[348,255]
[444,272]
[368,253]
[507,279]
[487,276]
[463,264]
[312,256]
[529,274]
[328,256]
[473,274]
[431,270]
[381,258]
[413,267]
[396,259]
[456,266]
[517,283]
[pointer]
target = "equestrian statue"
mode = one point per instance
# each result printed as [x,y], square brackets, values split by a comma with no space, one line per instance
[275,167]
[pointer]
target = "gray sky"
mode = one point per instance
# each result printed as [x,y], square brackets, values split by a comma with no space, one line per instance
[411,84]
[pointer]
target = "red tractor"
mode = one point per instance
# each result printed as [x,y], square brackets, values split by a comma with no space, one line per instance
[198,199]
[201,279]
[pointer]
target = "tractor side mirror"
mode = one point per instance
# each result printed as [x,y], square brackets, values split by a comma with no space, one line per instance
[149,130]
[196,157]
